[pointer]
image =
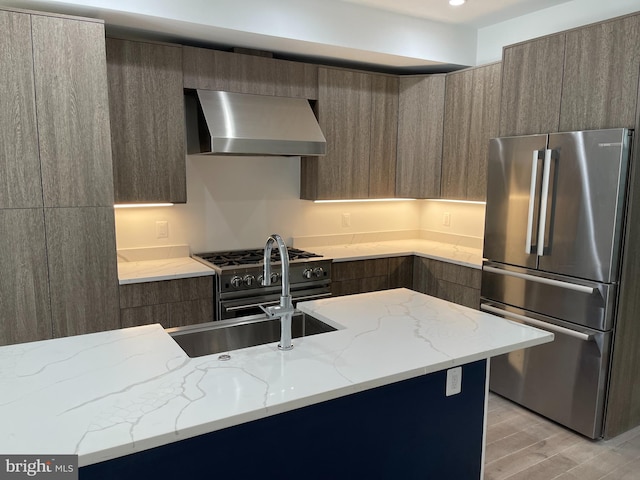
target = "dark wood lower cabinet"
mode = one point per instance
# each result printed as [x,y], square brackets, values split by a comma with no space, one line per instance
[172,303]
[449,281]
[360,276]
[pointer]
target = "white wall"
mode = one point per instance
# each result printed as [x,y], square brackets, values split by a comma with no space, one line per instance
[465,218]
[568,15]
[235,202]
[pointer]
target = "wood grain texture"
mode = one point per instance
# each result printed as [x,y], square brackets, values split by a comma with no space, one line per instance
[531,86]
[420,128]
[146,102]
[384,135]
[448,281]
[623,402]
[601,69]
[344,109]
[25,313]
[81,252]
[359,269]
[235,72]
[73,112]
[20,184]
[458,105]
[167,291]
[169,315]
[485,122]
[401,272]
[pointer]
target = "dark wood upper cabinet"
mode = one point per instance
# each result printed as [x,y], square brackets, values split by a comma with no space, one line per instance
[235,72]
[472,107]
[384,135]
[73,112]
[20,185]
[420,120]
[601,69]
[147,121]
[357,113]
[532,86]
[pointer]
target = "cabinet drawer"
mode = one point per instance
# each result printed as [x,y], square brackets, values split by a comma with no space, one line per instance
[166,291]
[175,314]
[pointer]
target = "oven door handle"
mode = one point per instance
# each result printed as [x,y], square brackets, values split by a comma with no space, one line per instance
[250,305]
[261,304]
[537,323]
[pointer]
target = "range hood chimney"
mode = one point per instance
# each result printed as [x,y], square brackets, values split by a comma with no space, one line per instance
[225,123]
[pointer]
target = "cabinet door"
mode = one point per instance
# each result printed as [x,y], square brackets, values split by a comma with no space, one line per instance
[82,270]
[485,115]
[20,185]
[458,105]
[420,118]
[344,110]
[531,86]
[25,314]
[384,135]
[600,83]
[73,112]
[234,72]
[147,122]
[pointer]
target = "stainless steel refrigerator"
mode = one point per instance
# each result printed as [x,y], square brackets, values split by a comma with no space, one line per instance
[553,242]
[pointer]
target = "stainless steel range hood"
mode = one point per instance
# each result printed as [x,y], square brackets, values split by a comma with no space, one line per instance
[224,123]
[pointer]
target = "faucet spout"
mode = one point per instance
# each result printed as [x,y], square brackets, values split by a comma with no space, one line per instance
[285,309]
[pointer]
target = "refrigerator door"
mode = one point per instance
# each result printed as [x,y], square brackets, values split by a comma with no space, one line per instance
[515,170]
[585,205]
[564,380]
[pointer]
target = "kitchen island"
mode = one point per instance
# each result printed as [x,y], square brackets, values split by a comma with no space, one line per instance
[120,395]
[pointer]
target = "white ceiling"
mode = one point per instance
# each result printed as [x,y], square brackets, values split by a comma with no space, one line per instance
[474,13]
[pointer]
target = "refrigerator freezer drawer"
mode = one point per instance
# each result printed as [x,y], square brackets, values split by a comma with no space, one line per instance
[564,380]
[583,302]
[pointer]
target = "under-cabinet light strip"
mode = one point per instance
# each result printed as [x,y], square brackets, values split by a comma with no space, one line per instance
[366,200]
[142,205]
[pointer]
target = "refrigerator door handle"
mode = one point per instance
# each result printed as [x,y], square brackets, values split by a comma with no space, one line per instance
[547,281]
[543,201]
[532,197]
[537,323]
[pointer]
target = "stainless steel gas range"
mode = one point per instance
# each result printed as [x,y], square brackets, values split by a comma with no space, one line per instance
[238,285]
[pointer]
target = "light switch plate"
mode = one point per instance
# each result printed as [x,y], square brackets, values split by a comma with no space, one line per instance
[454,381]
[162,229]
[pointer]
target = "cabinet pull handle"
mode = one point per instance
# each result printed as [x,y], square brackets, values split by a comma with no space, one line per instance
[537,323]
[546,281]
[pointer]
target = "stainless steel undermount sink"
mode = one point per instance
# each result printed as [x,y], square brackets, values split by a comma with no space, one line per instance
[227,335]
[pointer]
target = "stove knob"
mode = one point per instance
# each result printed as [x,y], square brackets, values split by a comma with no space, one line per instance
[249,280]
[259,280]
[318,272]
[307,273]
[236,281]
[275,277]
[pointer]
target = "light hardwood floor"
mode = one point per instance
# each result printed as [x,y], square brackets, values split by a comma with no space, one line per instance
[524,446]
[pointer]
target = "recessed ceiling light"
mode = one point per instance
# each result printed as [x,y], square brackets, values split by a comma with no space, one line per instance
[456,3]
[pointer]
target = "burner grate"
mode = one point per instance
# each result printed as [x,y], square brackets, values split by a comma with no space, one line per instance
[251,257]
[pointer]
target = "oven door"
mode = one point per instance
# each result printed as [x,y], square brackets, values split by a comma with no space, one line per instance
[241,307]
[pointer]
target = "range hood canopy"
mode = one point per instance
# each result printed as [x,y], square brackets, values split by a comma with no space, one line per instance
[225,123]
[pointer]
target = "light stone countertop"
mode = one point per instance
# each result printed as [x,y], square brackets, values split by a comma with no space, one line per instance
[448,252]
[164,269]
[110,394]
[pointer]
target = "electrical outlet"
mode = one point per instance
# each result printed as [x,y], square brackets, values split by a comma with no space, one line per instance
[446,219]
[162,229]
[454,381]
[346,220]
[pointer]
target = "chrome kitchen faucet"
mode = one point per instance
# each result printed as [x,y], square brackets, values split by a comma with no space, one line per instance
[285,309]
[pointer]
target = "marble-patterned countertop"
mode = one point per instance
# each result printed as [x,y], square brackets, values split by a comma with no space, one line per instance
[110,394]
[150,264]
[164,269]
[448,252]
